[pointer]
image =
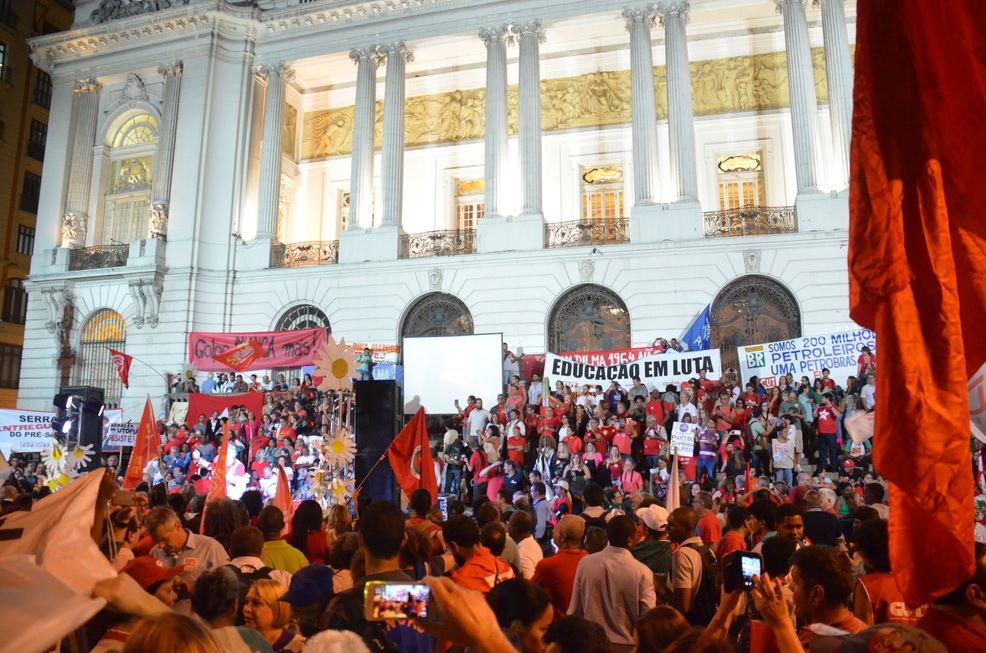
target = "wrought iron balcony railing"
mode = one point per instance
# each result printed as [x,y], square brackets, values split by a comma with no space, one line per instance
[297,255]
[100,256]
[751,221]
[450,242]
[579,233]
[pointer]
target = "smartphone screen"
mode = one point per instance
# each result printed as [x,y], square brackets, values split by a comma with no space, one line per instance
[386,601]
[750,566]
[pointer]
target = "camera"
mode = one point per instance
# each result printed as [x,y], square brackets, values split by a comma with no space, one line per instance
[388,601]
[739,568]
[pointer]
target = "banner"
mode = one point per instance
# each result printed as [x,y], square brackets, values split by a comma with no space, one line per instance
[240,357]
[382,354]
[25,430]
[655,371]
[203,404]
[144,449]
[683,438]
[119,435]
[806,356]
[280,348]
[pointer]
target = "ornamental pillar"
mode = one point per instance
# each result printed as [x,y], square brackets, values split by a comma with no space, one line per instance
[804,102]
[85,115]
[496,39]
[643,106]
[165,154]
[681,119]
[396,55]
[529,114]
[277,77]
[838,76]
[361,178]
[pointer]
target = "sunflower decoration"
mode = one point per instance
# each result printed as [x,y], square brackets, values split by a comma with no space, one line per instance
[339,490]
[339,448]
[187,370]
[55,458]
[336,364]
[56,480]
[79,456]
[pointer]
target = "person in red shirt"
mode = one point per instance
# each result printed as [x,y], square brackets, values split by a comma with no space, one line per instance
[478,569]
[621,437]
[556,574]
[724,413]
[735,539]
[877,599]
[421,504]
[821,584]
[826,414]
[709,528]
[515,447]
[549,424]
[958,619]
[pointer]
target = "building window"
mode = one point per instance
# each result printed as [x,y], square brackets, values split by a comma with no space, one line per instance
[15,302]
[31,192]
[343,210]
[42,90]
[470,202]
[37,140]
[128,189]
[303,316]
[7,16]
[105,329]
[602,194]
[437,314]
[10,366]
[4,72]
[740,180]
[25,240]
[588,318]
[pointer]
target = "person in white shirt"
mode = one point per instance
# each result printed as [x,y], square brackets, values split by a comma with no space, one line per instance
[687,408]
[266,384]
[535,390]
[868,393]
[521,530]
[479,417]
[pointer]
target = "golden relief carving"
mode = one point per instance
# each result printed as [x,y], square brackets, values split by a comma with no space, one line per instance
[289,138]
[748,83]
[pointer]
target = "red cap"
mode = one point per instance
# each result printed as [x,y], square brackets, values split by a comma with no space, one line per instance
[849,463]
[148,570]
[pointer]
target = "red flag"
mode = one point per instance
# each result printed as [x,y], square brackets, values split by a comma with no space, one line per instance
[282,499]
[240,357]
[145,448]
[122,363]
[917,268]
[746,481]
[410,457]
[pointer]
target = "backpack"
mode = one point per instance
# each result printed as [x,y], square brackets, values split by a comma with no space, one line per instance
[246,580]
[705,602]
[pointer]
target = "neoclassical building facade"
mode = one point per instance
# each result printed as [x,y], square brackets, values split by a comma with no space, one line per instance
[575,175]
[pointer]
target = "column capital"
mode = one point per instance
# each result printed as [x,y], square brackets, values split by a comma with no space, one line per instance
[673,9]
[398,49]
[174,68]
[639,14]
[533,28]
[88,86]
[365,54]
[499,33]
[817,3]
[781,5]
[280,69]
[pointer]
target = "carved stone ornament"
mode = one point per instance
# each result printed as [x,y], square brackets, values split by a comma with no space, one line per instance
[58,299]
[634,14]
[501,33]
[435,279]
[751,259]
[159,220]
[781,5]
[532,28]
[672,8]
[174,68]
[113,9]
[134,91]
[365,54]
[139,300]
[280,69]
[587,268]
[74,224]
[398,49]
[146,296]
[88,86]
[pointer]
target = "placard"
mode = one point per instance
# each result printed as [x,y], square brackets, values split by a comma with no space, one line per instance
[655,371]
[683,438]
[806,356]
[119,435]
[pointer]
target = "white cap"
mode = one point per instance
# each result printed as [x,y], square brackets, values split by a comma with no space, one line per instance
[654,517]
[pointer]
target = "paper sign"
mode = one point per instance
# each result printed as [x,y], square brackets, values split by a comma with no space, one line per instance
[683,437]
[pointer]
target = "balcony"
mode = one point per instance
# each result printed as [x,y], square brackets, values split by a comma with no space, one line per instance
[751,221]
[299,255]
[100,256]
[450,242]
[580,233]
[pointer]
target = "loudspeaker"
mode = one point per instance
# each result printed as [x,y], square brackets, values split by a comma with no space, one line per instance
[84,414]
[377,406]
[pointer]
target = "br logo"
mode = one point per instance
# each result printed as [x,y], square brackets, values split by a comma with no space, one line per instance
[755,359]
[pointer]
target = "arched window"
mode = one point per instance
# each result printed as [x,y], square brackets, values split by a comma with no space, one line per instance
[103,329]
[588,318]
[303,316]
[750,310]
[127,201]
[437,314]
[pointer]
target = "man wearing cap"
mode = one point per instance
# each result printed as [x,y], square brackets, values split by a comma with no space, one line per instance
[654,549]
[309,594]
[521,531]
[563,502]
[155,579]
[179,547]
[557,573]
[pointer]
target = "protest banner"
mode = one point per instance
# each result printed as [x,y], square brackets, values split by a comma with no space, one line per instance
[683,438]
[382,354]
[806,356]
[119,435]
[655,370]
[284,349]
[25,431]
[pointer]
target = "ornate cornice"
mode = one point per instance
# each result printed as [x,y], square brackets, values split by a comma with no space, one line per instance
[302,18]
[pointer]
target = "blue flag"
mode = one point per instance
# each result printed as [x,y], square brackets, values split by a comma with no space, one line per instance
[699,336]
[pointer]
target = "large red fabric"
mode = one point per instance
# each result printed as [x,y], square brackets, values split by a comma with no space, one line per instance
[122,363]
[240,357]
[295,348]
[218,488]
[203,404]
[410,457]
[145,448]
[917,268]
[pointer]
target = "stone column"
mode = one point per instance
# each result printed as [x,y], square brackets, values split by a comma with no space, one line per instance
[644,108]
[496,39]
[164,158]
[85,115]
[396,56]
[838,76]
[804,102]
[681,120]
[529,114]
[277,77]
[361,178]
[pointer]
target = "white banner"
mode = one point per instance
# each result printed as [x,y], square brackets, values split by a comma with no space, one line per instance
[806,356]
[120,435]
[655,371]
[683,437]
[25,430]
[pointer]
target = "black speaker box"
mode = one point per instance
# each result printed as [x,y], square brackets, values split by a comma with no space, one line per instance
[90,421]
[378,407]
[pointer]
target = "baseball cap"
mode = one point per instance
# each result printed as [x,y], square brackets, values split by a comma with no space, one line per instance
[849,463]
[148,571]
[654,517]
[308,585]
[881,638]
[562,484]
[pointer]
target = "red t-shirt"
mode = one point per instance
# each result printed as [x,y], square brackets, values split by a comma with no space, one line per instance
[516,456]
[621,440]
[549,426]
[709,529]
[826,419]
[957,634]
[657,409]
[730,542]
[557,576]
[574,443]
[653,445]
[615,469]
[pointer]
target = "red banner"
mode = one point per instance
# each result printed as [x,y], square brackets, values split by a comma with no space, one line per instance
[280,348]
[202,404]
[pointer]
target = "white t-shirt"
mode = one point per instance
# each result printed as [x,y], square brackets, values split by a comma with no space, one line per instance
[687,409]
[686,566]
[868,394]
[478,419]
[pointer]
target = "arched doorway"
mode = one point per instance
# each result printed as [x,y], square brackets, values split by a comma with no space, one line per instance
[750,310]
[437,314]
[588,317]
[103,329]
[303,316]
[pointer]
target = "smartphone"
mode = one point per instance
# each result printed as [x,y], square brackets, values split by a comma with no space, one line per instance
[123,498]
[739,569]
[389,601]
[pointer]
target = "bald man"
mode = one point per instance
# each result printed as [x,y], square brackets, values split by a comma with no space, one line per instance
[521,529]
[557,573]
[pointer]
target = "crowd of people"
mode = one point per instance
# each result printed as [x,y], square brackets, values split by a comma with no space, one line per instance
[559,528]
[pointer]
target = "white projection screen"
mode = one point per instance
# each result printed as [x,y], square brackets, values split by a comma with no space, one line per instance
[437,371]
